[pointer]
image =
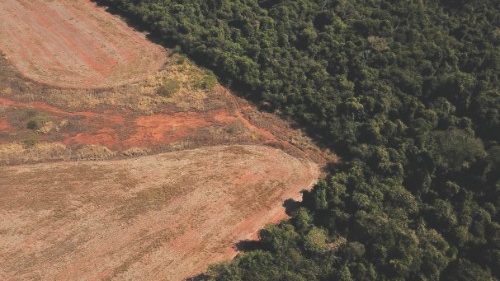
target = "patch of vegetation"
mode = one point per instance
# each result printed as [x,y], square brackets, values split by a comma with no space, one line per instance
[208,81]
[30,142]
[94,152]
[33,125]
[235,128]
[179,59]
[36,121]
[405,91]
[169,88]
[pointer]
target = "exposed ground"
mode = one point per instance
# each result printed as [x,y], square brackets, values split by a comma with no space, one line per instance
[40,123]
[185,169]
[72,43]
[158,217]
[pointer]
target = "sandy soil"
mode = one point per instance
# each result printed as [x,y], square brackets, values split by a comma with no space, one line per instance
[70,43]
[150,218]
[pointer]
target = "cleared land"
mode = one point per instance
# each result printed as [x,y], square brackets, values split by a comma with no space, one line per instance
[39,123]
[71,43]
[184,173]
[162,217]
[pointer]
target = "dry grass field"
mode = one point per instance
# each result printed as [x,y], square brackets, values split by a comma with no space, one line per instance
[109,172]
[161,217]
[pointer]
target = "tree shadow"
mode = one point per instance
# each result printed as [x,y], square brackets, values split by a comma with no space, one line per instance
[291,206]
[199,277]
[249,245]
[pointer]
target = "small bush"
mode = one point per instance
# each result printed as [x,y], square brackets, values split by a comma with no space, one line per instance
[235,128]
[208,81]
[169,88]
[135,151]
[36,122]
[180,60]
[94,152]
[33,125]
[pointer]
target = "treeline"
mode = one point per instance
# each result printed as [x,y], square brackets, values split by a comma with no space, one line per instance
[406,92]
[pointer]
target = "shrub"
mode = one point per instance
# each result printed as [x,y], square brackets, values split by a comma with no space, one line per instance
[36,122]
[169,88]
[208,81]
[33,125]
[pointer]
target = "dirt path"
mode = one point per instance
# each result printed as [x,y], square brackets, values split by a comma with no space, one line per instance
[162,217]
[73,44]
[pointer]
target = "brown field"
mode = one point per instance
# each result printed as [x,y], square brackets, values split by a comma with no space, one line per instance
[161,217]
[72,43]
[127,182]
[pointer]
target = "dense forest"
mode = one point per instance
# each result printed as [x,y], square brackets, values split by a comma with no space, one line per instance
[406,92]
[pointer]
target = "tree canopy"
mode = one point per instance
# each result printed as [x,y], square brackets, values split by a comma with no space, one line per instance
[407,92]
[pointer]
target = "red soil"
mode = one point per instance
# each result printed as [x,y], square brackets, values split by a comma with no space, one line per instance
[164,128]
[161,217]
[105,137]
[117,131]
[4,124]
[70,43]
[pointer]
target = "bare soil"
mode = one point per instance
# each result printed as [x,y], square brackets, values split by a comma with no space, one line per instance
[218,119]
[71,43]
[180,178]
[161,217]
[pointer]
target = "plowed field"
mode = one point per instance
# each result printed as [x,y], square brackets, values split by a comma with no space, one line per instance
[70,43]
[162,217]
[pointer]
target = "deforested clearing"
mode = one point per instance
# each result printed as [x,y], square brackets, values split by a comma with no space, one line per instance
[160,217]
[120,160]
[74,44]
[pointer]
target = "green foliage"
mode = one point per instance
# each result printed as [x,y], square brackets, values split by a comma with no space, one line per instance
[345,274]
[464,270]
[456,149]
[316,240]
[169,88]
[208,81]
[405,91]
[33,125]
[36,121]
